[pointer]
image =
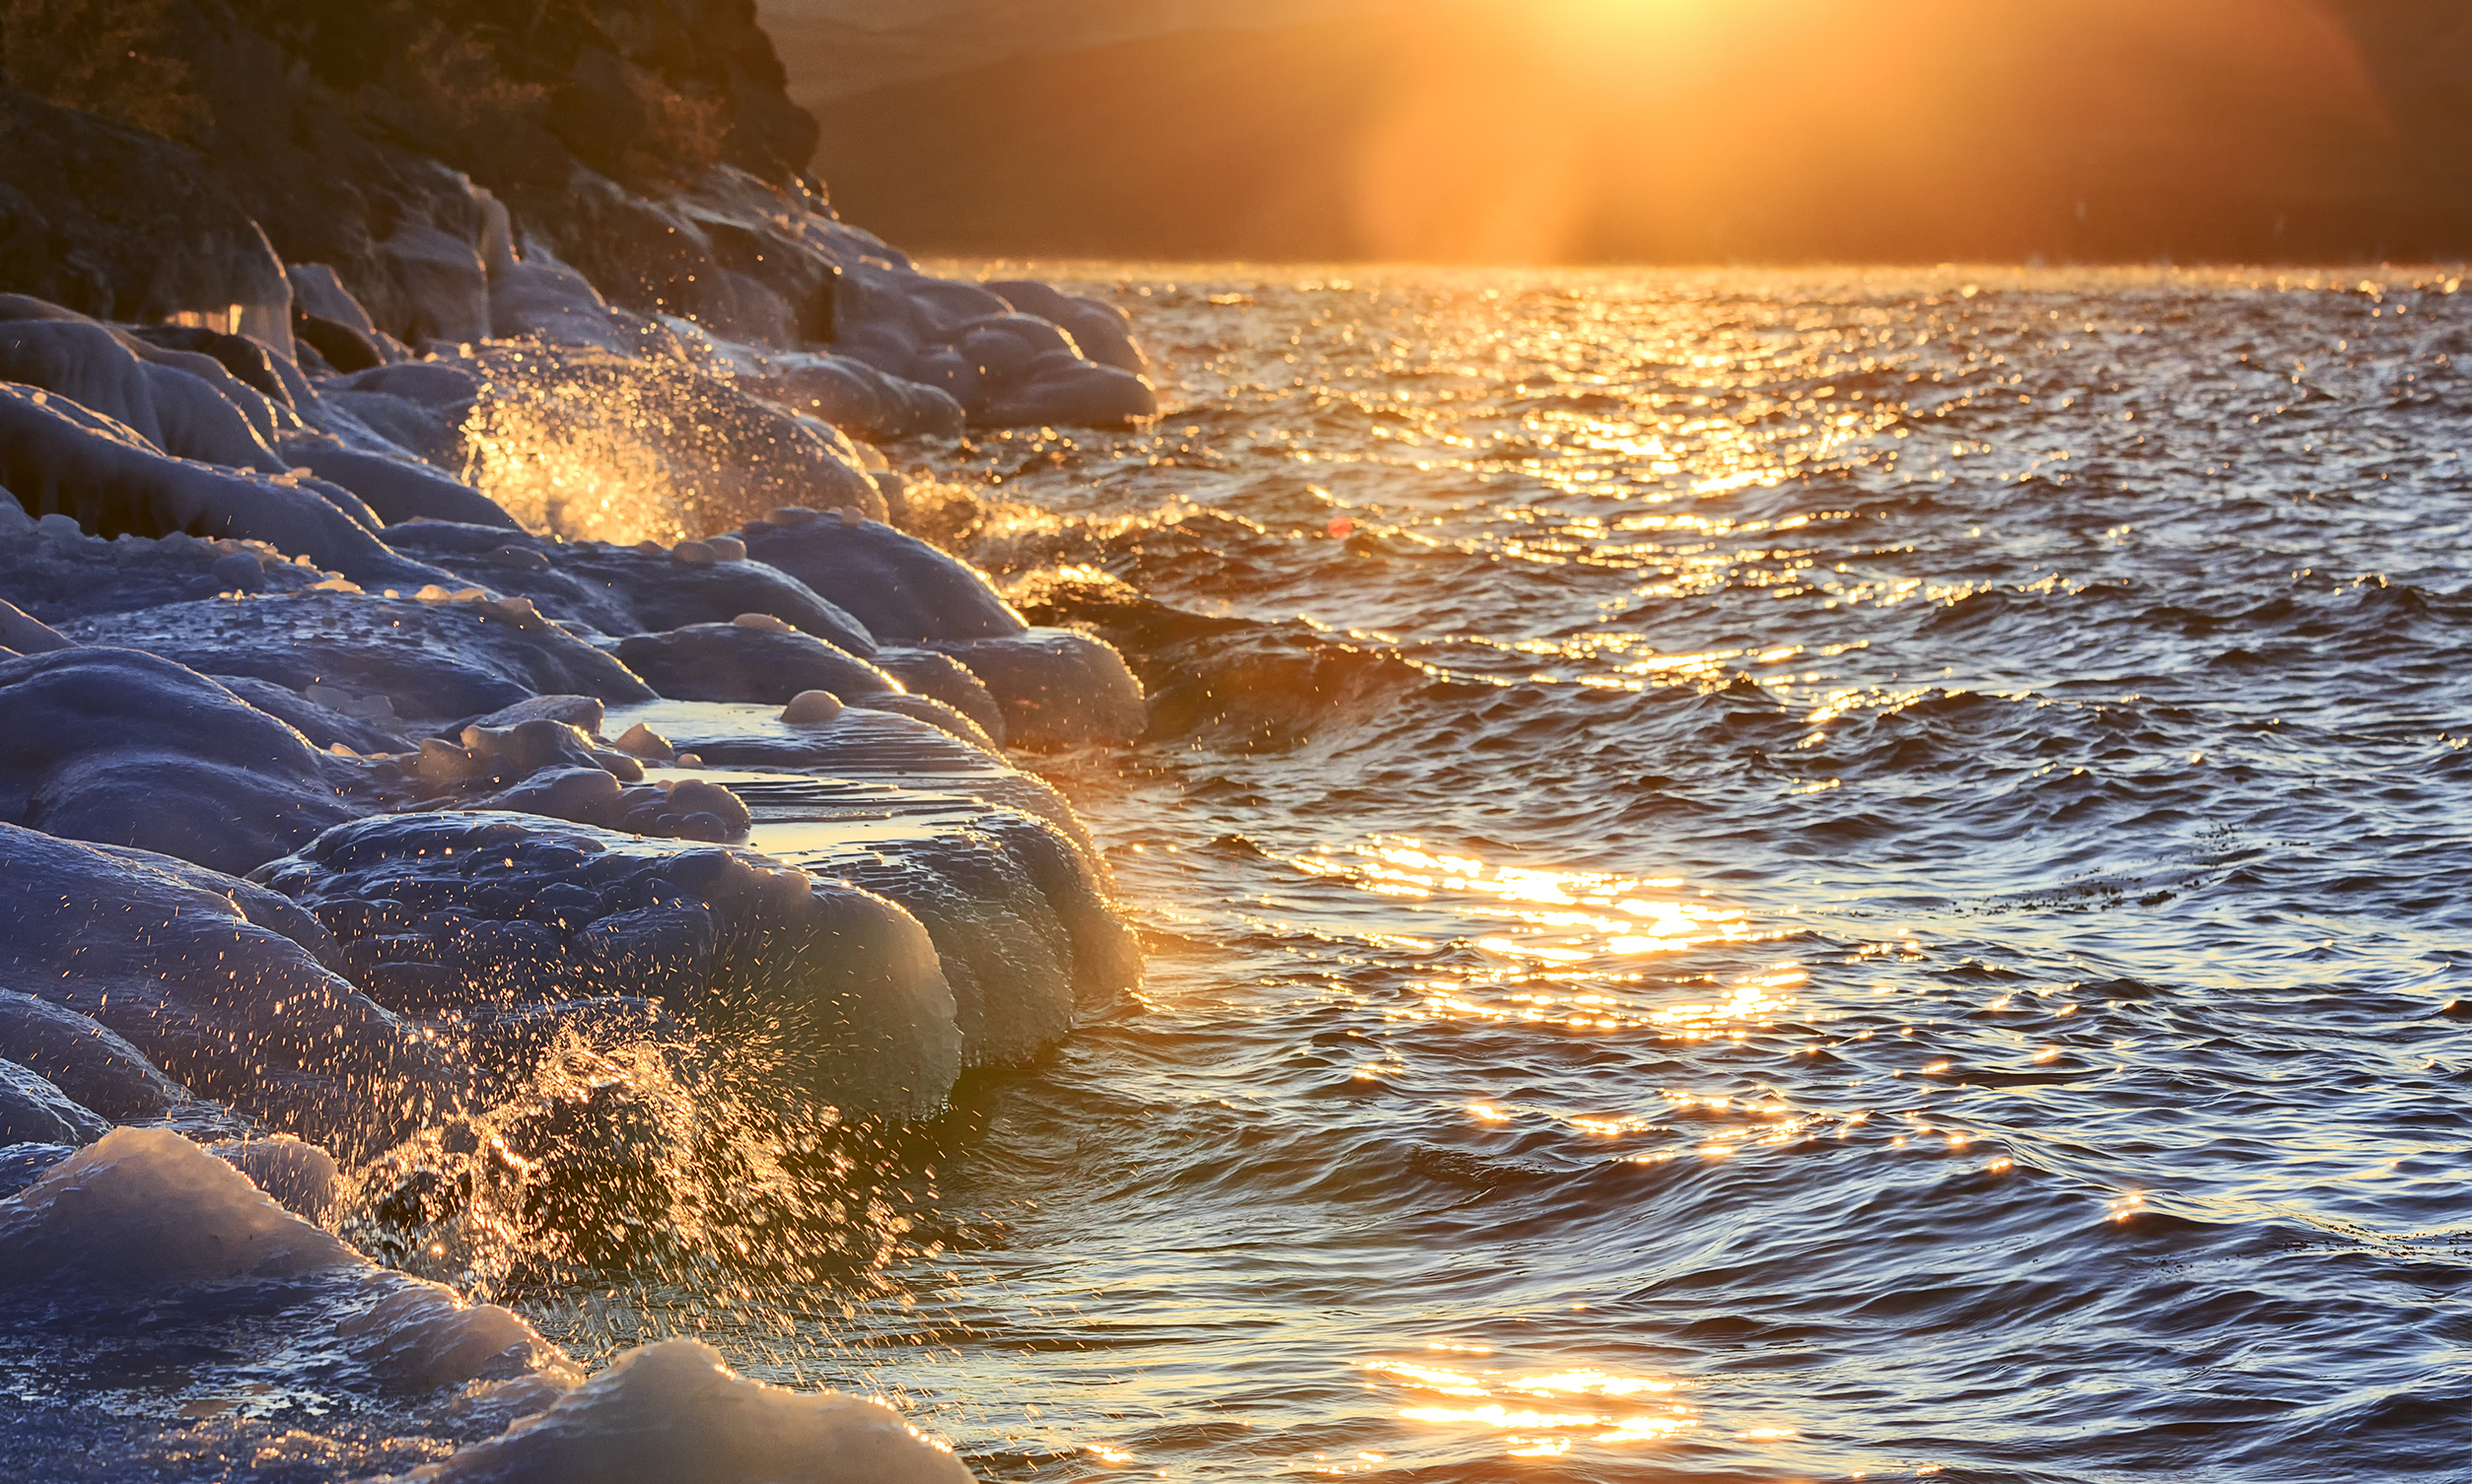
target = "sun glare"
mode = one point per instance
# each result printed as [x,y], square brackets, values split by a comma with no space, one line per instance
[1690,122]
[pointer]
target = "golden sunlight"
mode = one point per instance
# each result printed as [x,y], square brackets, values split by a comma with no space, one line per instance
[1682,127]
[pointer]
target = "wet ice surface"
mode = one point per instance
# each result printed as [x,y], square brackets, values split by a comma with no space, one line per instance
[1747,879]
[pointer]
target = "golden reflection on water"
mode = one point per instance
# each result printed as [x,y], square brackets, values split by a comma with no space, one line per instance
[1562,918]
[1535,1416]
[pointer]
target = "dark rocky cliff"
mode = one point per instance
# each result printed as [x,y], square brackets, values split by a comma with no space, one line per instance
[647,142]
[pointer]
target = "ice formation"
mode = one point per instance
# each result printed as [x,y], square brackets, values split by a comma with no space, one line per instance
[480,659]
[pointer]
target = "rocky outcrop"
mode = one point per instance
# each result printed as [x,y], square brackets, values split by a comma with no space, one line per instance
[123,225]
[439,176]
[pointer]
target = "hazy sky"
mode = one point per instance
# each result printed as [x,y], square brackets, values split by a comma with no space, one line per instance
[841,46]
[1665,130]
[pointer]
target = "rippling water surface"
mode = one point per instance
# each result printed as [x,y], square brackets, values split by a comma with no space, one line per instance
[1747,877]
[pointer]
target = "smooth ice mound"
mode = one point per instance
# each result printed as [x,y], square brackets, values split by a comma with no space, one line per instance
[812,984]
[221,987]
[300,1353]
[672,1411]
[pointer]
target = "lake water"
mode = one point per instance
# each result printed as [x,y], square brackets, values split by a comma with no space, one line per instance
[1747,877]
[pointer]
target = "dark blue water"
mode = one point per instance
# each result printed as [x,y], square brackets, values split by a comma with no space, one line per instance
[1747,877]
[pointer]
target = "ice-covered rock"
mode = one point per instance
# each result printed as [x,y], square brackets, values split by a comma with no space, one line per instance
[989,859]
[541,766]
[178,412]
[943,678]
[318,290]
[145,1221]
[395,485]
[1007,361]
[542,297]
[126,748]
[365,724]
[226,1007]
[818,985]
[33,1110]
[752,659]
[1058,687]
[1018,916]
[58,457]
[433,654]
[419,406]
[861,743]
[747,662]
[672,1411]
[1100,329]
[901,588]
[628,590]
[55,571]
[863,400]
[98,1068]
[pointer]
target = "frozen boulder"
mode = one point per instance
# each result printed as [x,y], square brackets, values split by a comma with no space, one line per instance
[1100,329]
[672,1411]
[1031,370]
[419,406]
[541,766]
[22,1165]
[946,302]
[923,397]
[630,590]
[318,290]
[327,347]
[364,725]
[97,1067]
[58,457]
[229,1008]
[1058,687]
[1053,390]
[859,744]
[55,571]
[1017,912]
[818,985]
[145,1222]
[544,298]
[749,662]
[433,654]
[943,678]
[758,658]
[397,487]
[126,748]
[34,1110]
[260,385]
[901,588]
[178,414]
